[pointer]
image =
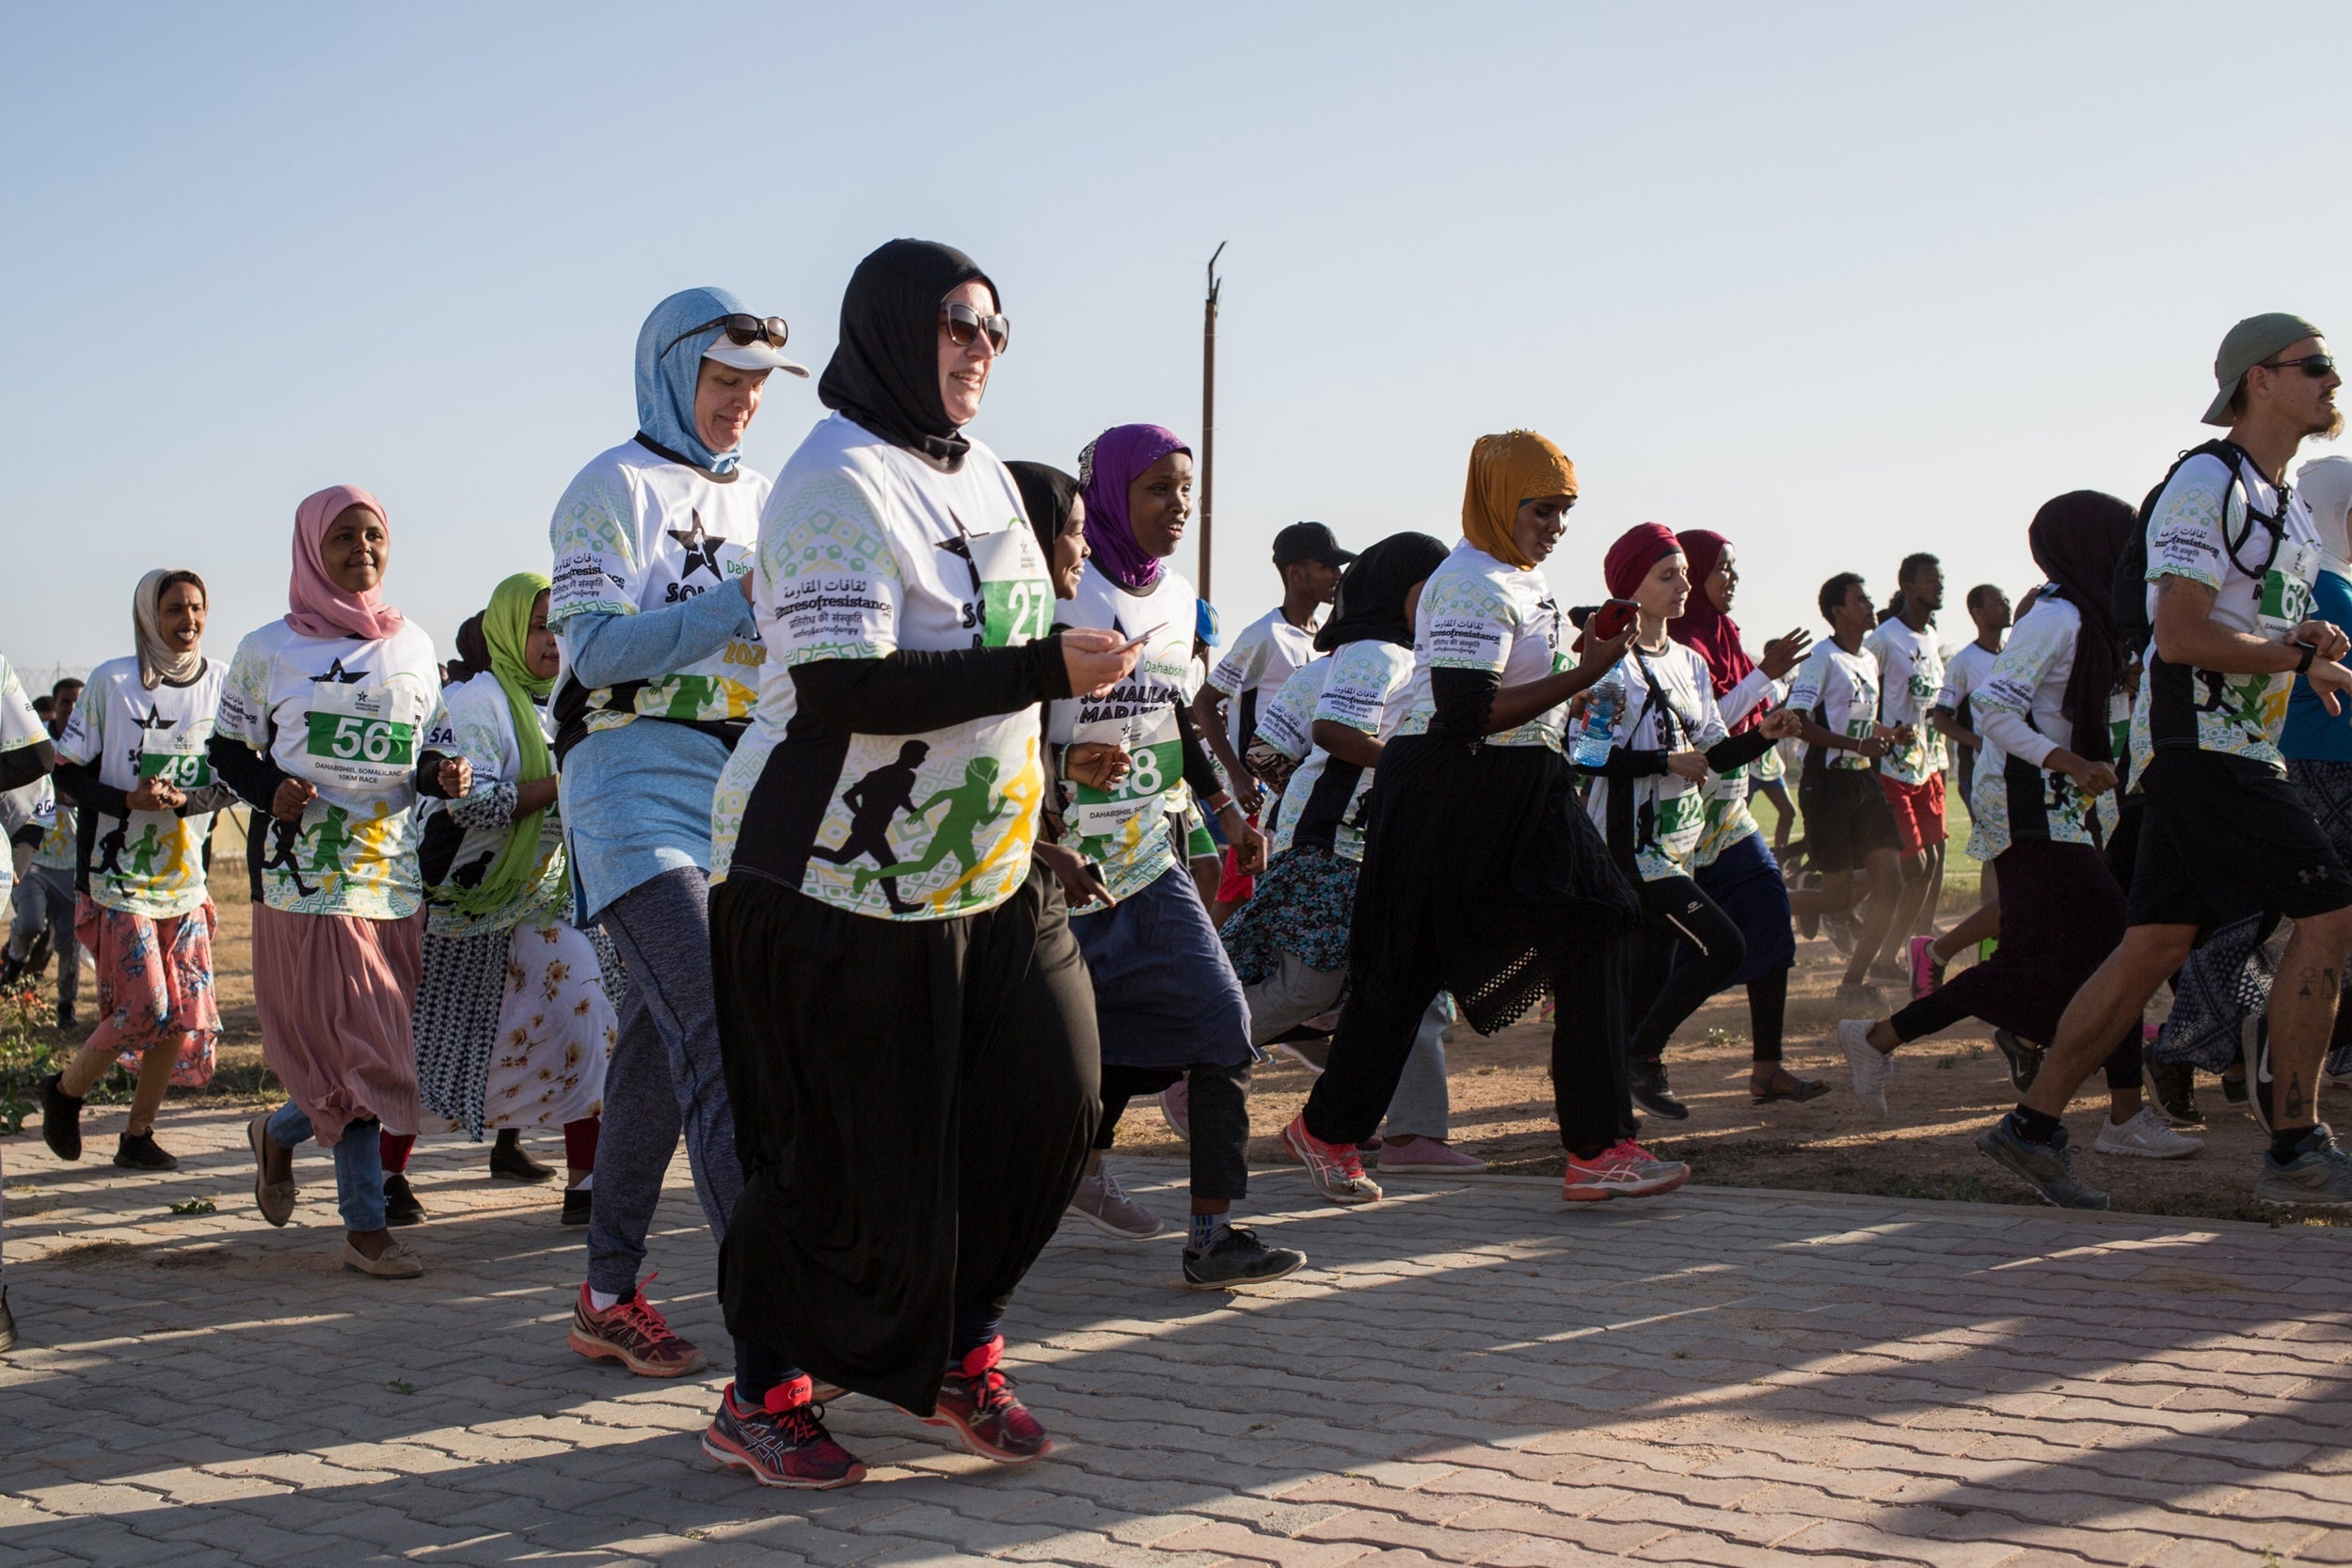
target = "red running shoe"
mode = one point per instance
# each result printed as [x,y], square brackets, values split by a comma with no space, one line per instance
[634,1333]
[782,1442]
[1626,1170]
[1926,973]
[978,1402]
[1337,1170]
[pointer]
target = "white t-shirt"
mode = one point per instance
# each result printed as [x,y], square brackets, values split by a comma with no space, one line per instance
[2018,712]
[1728,819]
[482,728]
[1841,692]
[353,718]
[1478,614]
[1911,673]
[60,827]
[864,550]
[1669,812]
[18,724]
[2189,535]
[1369,688]
[1965,674]
[637,532]
[1124,831]
[151,863]
[1268,651]
[1286,723]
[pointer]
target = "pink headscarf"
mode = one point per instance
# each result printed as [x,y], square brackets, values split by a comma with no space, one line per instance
[315,607]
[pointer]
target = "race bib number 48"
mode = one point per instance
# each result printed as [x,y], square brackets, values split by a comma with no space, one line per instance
[1155,753]
[360,735]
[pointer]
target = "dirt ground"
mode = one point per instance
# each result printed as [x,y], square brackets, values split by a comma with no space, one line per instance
[1943,1090]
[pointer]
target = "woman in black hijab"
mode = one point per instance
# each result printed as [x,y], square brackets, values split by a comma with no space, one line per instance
[906,1020]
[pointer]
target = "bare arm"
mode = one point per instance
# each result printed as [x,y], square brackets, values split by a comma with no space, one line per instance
[537,795]
[1514,705]
[1346,742]
[1208,716]
[1943,722]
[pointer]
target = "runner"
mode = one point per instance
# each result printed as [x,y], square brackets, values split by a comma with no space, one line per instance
[26,754]
[652,603]
[1289,943]
[1911,673]
[1953,718]
[2044,808]
[43,900]
[1482,875]
[134,757]
[2232,555]
[1166,1005]
[1252,671]
[1848,825]
[514,1021]
[331,722]
[1664,743]
[916,1085]
[1732,865]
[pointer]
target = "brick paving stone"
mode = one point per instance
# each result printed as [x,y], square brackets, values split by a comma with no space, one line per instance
[1465,1374]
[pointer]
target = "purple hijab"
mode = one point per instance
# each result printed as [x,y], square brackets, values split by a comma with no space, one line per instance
[1116,460]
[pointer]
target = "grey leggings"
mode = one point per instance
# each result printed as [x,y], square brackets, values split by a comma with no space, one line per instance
[665,1077]
[1422,1106]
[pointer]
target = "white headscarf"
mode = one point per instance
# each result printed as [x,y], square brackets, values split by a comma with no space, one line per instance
[159,662]
[2325,486]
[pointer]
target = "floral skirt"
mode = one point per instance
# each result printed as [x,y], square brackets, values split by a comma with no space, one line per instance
[1304,904]
[514,1028]
[155,982]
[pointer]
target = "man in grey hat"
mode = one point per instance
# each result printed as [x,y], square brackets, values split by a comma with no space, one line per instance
[2232,559]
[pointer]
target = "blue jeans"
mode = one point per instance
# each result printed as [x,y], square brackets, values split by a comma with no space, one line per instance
[358,1163]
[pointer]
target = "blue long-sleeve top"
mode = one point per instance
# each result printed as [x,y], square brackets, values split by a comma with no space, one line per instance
[2311,733]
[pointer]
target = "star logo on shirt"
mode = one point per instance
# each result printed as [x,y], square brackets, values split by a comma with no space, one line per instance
[339,676]
[155,720]
[701,550]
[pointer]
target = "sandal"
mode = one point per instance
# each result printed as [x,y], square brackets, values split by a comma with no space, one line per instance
[1799,1090]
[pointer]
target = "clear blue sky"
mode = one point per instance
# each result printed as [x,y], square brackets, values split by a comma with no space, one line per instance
[1841,284]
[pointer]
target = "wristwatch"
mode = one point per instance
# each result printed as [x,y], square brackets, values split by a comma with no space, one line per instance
[2303,665]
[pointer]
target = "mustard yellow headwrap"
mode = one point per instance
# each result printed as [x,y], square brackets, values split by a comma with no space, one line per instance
[1504,470]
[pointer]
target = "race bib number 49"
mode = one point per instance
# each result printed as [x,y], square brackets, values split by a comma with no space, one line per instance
[188,769]
[360,735]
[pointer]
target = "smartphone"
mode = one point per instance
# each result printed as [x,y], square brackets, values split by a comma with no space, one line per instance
[1139,638]
[1606,623]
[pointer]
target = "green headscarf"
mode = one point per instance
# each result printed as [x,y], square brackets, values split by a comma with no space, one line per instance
[506,628]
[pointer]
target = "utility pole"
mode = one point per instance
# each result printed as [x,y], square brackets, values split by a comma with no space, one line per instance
[1208,413]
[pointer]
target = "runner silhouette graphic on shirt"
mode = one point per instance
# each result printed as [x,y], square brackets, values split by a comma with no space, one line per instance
[110,848]
[143,854]
[873,800]
[330,841]
[285,853]
[968,812]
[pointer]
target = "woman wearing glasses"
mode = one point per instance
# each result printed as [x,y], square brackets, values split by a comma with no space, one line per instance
[661,669]
[908,1024]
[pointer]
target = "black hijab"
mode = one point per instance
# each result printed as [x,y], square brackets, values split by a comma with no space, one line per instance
[1046,495]
[1372,595]
[884,372]
[2076,540]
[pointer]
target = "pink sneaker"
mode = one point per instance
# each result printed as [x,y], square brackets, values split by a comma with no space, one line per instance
[1176,1107]
[1626,1170]
[1336,1170]
[1926,973]
[1419,1156]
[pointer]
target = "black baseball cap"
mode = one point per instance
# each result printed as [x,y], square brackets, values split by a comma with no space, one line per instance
[1309,542]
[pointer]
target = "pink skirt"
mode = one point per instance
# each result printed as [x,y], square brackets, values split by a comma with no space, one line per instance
[336,995]
[155,983]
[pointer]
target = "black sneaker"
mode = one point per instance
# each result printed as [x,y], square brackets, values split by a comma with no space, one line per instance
[1238,1258]
[578,1202]
[2025,1061]
[66,1017]
[60,1120]
[139,1151]
[2173,1088]
[1651,1093]
[2047,1168]
[7,1324]
[511,1162]
[400,1203]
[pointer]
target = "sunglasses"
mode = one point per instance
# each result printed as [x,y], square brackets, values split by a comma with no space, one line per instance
[739,330]
[964,324]
[2316,366]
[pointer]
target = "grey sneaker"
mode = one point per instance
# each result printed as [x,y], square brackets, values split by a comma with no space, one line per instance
[1871,1066]
[2319,1176]
[1101,1203]
[1238,1258]
[2047,1168]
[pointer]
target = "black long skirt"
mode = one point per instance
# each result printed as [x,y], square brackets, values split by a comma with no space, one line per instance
[913,1102]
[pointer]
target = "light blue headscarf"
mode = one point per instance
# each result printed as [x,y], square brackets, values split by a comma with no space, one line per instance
[665,385]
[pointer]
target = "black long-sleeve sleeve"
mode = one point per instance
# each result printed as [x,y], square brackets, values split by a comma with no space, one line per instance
[913,691]
[24,764]
[1736,751]
[253,776]
[1463,699]
[207,799]
[79,782]
[1200,772]
[1627,762]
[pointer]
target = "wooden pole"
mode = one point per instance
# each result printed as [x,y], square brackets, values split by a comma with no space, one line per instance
[1208,414]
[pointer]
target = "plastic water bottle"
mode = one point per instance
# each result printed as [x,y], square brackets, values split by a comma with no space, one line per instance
[1601,720]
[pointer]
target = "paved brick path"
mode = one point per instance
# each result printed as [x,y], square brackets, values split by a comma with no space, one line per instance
[1466,1374]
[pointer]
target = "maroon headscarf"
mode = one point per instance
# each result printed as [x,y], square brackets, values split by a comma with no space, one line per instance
[1637,549]
[1704,630]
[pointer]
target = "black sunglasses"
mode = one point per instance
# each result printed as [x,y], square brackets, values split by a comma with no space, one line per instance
[739,330]
[2316,366]
[964,324]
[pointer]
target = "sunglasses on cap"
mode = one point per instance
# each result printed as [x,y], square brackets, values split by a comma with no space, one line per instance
[964,324]
[2316,366]
[739,330]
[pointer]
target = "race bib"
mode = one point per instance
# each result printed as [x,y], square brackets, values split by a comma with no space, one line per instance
[1157,762]
[1676,822]
[2286,596]
[1016,597]
[361,737]
[188,769]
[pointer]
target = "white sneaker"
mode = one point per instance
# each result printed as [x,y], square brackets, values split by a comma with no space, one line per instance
[2146,1136]
[1871,1066]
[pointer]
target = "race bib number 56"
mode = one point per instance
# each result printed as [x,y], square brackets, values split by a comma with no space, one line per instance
[360,735]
